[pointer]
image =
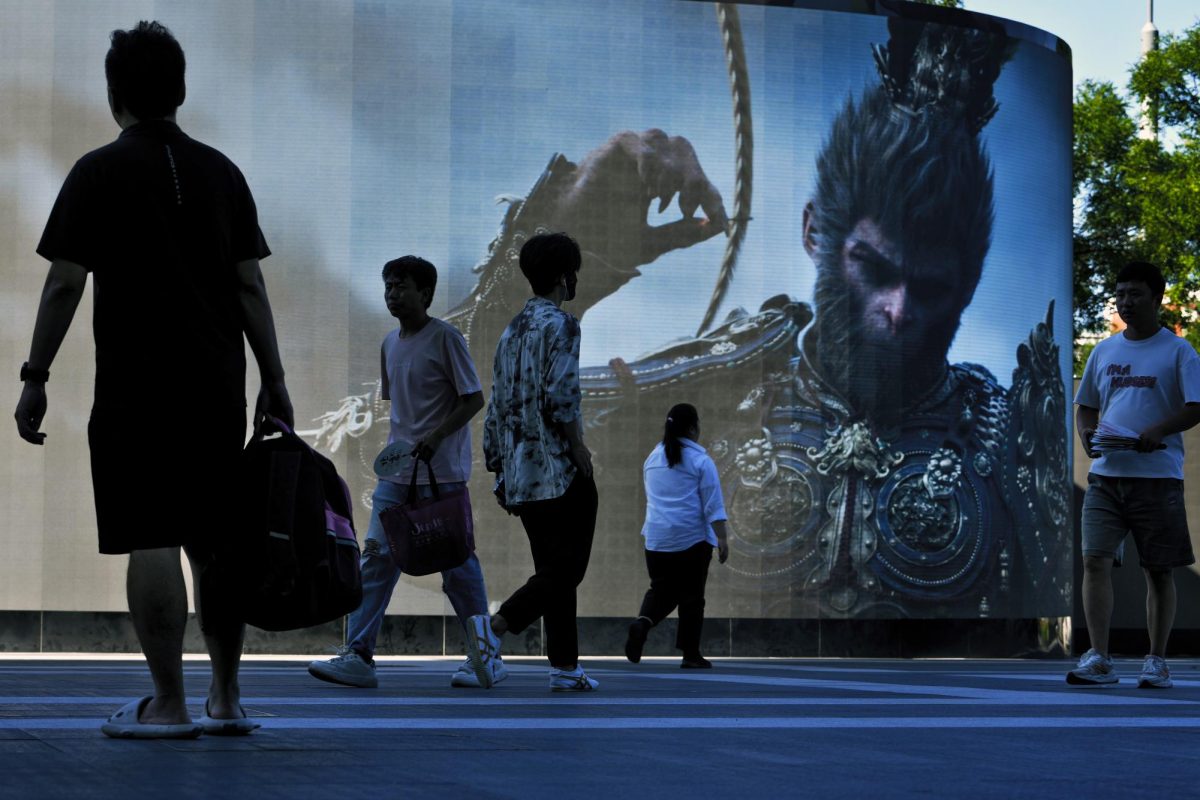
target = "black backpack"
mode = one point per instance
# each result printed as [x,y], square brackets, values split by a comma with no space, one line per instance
[293,562]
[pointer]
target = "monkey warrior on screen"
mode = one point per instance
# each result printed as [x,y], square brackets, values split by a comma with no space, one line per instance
[864,474]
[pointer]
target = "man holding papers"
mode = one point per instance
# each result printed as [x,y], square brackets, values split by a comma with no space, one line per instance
[1139,392]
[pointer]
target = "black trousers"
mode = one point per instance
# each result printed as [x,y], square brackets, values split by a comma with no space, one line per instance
[560,535]
[677,580]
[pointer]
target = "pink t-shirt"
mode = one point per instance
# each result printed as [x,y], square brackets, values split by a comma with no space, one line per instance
[426,374]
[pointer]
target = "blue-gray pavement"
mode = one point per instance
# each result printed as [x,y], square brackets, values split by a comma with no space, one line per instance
[749,729]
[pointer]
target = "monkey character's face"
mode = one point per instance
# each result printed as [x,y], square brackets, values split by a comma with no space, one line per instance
[904,299]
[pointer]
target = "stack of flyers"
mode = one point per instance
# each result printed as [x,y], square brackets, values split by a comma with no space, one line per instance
[1110,437]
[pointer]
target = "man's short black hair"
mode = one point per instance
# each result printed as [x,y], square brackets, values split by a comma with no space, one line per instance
[144,68]
[1145,272]
[547,257]
[423,274]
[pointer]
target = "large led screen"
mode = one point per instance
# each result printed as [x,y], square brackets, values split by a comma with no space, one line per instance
[843,236]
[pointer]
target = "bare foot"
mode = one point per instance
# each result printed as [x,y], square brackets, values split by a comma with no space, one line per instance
[228,706]
[165,711]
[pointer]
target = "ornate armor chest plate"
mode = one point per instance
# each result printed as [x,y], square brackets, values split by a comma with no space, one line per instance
[860,519]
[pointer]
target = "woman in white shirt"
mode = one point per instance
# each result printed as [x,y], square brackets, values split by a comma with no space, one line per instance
[685,520]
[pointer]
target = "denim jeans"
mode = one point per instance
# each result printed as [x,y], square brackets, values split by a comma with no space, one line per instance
[463,585]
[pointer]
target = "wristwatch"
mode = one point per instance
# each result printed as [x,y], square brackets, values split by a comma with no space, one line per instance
[28,373]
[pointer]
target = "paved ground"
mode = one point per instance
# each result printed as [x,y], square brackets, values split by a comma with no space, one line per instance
[749,729]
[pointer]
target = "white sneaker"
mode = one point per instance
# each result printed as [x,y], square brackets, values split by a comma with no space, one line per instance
[483,646]
[571,680]
[1155,674]
[347,668]
[1094,669]
[465,678]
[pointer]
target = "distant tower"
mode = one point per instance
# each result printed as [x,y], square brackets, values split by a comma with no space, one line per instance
[1148,124]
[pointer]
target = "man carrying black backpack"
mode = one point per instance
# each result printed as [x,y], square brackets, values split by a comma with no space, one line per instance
[168,229]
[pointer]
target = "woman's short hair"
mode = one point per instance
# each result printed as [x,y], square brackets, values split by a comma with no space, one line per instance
[547,257]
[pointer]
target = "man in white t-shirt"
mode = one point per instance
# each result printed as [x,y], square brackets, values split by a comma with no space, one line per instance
[429,377]
[1147,380]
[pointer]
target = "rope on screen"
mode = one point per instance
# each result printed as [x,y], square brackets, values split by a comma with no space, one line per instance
[739,84]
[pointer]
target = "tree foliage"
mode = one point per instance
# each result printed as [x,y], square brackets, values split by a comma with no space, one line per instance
[1170,76]
[1139,198]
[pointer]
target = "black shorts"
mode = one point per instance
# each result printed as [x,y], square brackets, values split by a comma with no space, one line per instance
[165,484]
[1149,508]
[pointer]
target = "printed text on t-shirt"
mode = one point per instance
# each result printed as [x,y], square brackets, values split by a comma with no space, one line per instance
[1120,378]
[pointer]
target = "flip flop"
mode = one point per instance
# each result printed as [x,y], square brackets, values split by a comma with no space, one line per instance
[125,725]
[393,459]
[227,727]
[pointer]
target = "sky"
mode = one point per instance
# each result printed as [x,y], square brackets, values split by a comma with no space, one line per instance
[1104,35]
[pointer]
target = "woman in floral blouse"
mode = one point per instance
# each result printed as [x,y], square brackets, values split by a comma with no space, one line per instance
[533,441]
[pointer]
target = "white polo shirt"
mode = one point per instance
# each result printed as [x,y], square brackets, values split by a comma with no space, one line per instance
[682,501]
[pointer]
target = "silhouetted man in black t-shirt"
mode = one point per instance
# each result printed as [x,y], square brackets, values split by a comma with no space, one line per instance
[168,229]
